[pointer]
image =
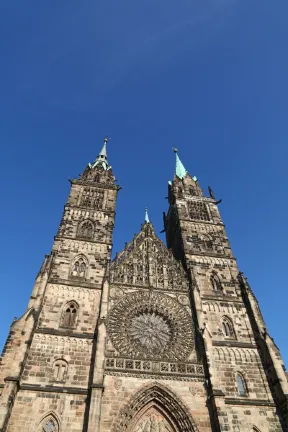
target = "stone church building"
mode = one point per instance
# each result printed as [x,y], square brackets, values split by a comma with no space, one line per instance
[160,339]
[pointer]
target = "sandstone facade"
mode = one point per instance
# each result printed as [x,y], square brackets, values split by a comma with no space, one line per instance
[161,339]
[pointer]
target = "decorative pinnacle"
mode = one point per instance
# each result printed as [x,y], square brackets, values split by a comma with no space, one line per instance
[102,157]
[146,216]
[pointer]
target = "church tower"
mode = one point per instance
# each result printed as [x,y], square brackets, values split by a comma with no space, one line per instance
[47,366]
[245,377]
[161,339]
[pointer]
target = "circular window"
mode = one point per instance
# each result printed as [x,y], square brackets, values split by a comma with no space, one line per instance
[151,325]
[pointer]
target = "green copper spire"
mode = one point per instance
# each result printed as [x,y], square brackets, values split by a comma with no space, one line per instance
[101,158]
[180,170]
[146,216]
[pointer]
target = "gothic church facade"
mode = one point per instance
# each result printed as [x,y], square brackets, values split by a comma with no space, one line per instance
[161,339]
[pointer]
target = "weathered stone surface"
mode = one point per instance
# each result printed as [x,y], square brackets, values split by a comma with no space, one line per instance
[161,339]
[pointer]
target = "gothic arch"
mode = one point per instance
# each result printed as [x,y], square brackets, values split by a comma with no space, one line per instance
[69,315]
[79,266]
[215,282]
[49,423]
[159,398]
[86,229]
[228,327]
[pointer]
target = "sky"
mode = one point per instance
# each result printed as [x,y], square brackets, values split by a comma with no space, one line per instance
[209,77]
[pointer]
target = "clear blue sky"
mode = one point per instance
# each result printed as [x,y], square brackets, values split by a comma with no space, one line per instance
[209,77]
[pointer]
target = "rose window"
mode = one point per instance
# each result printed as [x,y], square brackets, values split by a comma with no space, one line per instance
[151,325]
[151,331]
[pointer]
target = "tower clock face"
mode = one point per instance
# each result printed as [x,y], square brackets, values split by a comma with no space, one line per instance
[151,325]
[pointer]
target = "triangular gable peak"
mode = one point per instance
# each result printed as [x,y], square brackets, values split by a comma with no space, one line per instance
[146,262]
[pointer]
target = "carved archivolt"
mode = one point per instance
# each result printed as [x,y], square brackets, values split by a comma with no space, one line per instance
[154,409]
[151,325]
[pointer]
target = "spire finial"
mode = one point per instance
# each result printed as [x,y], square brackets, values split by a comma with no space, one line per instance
[146,216]
[102,157]
[180,170]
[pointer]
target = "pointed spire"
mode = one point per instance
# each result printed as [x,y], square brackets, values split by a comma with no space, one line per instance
[180,170]
[101,158]
[146,216]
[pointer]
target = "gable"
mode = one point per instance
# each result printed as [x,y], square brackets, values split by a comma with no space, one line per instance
[145,261]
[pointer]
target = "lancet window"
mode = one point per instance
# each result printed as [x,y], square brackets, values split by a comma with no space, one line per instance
[69,315]
[79,267]
[228,328]
[49,424]
[60,370]
[241,387]
[215,283]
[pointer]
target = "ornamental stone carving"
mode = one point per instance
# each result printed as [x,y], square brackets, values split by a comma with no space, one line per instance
[149,325]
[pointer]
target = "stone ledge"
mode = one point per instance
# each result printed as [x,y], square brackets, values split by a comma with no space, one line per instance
[64,333]
[97,386]
[11,378]
[155,376]
[233,343]
[75,283]
[52,389]
[96,186]
[251,402]
[221,297]
[82,239]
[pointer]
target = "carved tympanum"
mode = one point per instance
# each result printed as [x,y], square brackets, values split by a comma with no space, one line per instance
[153,422]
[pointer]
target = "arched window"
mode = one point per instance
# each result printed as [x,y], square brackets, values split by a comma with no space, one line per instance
[228,328]
[60,370]
[205,242]
[49,424]
[69,315]
[79,267]
[215,283]
[241,386]
[86,229]
[192,191]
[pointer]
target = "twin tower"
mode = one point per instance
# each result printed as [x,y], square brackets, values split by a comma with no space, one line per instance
[161,339]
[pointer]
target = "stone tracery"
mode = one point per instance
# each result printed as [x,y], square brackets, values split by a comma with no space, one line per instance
[147,262]
[151,325]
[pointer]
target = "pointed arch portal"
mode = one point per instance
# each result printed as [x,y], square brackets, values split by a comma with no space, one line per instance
[154,409]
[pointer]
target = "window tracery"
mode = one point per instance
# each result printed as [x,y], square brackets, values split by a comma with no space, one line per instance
[160,273]
[92,198]
[130,273]
[198,210]
[228,328]
[206,242]
[49,424]
[79,267]
[215,282]
[151,325]
[69,315]
[241,387]
[86,229]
